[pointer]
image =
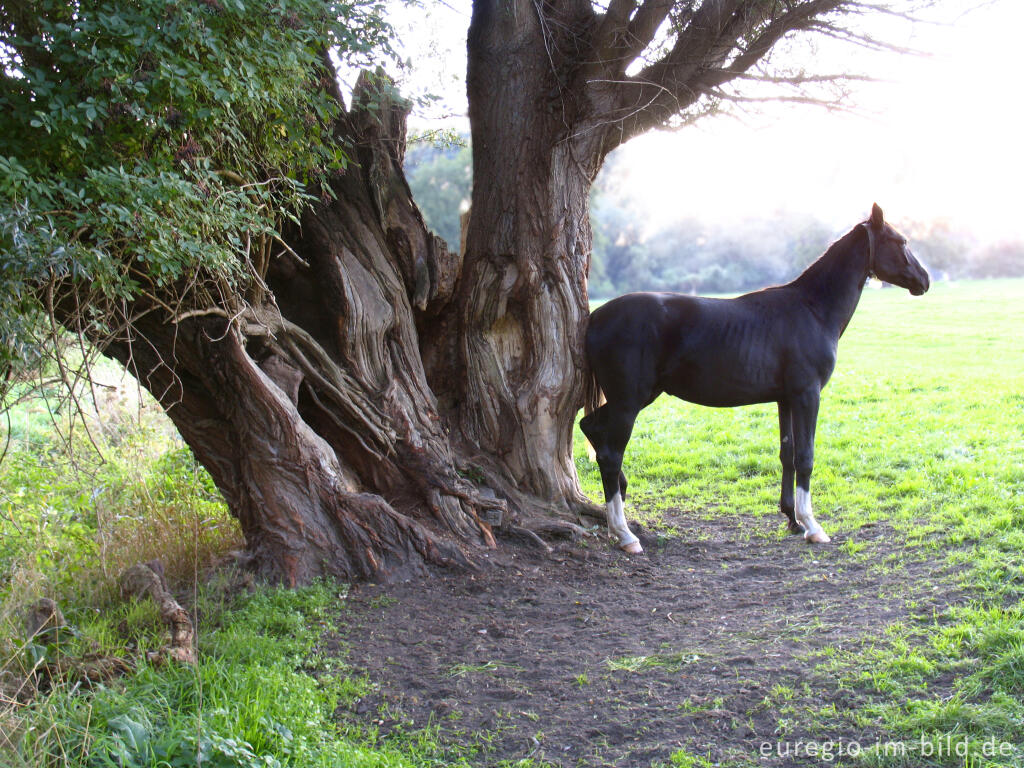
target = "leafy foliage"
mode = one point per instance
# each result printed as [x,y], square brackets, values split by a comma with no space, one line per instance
[149,148]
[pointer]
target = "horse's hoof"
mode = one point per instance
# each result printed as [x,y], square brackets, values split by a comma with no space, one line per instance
[633,548]
[818,537]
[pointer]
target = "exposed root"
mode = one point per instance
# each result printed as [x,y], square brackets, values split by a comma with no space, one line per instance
[528,535]
[57,657]
[553,527]
[532,529]
[586,509]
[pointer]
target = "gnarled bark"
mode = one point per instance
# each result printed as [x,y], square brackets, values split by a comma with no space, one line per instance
[310,407]
[521,301]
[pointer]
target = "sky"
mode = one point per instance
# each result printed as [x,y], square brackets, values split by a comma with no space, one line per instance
[939,138]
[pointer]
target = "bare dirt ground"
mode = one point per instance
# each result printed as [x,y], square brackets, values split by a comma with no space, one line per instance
[589,657]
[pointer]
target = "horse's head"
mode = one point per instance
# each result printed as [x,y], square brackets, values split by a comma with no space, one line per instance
[890,259]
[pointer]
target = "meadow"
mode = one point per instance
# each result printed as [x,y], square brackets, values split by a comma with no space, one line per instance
[921,434]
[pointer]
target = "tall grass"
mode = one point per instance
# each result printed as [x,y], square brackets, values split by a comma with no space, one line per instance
[114,487]
[82,497]
[262,697]
[81,500]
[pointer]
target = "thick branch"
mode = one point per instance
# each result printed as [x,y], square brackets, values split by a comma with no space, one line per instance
[644,26]
[801,18]
[623,35]
[721,41]
[612,23]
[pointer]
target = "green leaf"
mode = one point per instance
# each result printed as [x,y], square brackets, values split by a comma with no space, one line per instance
[134,733]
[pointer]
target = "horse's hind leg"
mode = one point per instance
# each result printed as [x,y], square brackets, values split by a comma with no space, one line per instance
[593,427]
[616,427]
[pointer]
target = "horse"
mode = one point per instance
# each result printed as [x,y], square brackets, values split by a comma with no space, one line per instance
[774,345]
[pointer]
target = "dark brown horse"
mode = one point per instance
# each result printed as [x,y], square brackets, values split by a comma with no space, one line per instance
[774,345]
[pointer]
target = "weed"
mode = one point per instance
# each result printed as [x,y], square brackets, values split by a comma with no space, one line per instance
[469,669]
[672,661]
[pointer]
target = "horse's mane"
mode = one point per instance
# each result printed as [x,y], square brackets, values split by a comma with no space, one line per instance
[831,260]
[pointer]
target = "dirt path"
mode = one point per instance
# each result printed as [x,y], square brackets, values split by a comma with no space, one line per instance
[592,658]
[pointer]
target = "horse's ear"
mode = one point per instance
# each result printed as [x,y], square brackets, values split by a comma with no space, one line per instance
[876,216]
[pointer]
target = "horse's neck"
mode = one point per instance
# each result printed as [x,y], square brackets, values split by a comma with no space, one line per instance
[833,284]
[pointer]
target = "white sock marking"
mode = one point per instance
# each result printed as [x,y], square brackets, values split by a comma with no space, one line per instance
[617,525]
[805,516]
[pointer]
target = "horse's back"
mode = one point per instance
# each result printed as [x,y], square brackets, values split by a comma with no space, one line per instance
[667,322]
[718,352]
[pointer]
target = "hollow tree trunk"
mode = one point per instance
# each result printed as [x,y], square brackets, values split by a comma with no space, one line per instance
[308,403]
[522,297]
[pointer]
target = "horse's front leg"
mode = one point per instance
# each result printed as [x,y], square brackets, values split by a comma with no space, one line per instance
[788,466]
[804,417]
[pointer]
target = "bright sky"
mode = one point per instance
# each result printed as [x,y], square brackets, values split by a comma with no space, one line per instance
[939,139]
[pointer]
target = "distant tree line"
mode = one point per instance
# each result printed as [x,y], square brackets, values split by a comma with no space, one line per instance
[441,179]
[690,255]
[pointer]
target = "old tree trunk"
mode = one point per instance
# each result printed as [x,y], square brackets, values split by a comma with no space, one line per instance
[308,402]
[516,327]
[379,399]
[376,403]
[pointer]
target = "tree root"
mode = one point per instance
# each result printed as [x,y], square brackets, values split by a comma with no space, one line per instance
[57,657]
[532,529]
[529,536]
[599,515]
[553,527]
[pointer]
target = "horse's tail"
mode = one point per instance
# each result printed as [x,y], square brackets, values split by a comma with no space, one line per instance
[593,397]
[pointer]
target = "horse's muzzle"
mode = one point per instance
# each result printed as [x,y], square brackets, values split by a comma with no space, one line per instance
[919,281]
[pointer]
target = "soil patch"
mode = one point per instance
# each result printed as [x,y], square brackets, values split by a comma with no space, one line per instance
[589,657]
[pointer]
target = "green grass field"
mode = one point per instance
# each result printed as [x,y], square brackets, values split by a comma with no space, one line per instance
[921,428]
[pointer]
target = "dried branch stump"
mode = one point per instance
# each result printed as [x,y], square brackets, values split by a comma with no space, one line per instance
[145,579]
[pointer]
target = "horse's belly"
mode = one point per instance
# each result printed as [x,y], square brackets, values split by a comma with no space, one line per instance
[724,396]
[726,384]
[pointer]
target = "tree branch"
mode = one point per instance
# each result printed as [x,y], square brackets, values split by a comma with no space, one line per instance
[801,18]
[721,41]
[624,32]
[612,23]
[645,26]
